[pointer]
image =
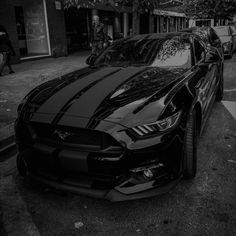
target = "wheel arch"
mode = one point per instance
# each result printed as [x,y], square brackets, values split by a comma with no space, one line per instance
[197,107]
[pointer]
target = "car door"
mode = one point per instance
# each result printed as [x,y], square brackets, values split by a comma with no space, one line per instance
[207,73]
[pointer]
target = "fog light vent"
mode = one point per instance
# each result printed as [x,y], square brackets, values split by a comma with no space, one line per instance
[149,167]
[148,174]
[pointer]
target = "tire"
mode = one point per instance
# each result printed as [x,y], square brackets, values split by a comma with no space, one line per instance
[190,148]
[21,166]
[220,89]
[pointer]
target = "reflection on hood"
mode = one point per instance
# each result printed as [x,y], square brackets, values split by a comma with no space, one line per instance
[128,99]
[147,83]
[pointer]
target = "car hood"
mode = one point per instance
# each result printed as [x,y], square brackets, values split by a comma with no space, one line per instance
[87,97]
[225,39]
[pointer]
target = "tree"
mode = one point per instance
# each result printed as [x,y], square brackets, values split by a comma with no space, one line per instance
[216,9]
[136,4]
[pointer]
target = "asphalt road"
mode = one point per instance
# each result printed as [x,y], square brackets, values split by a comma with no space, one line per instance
[204,206]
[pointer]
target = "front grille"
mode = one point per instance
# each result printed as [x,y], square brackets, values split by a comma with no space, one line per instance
[76,137]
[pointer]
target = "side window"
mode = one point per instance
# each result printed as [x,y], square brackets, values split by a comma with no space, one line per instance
[199,51]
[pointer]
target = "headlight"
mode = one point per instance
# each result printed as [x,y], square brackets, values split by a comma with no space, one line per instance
[158,126]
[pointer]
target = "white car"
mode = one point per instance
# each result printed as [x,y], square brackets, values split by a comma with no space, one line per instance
[228,38]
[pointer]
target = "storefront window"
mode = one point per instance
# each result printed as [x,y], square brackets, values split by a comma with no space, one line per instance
[201,23]
[32,29]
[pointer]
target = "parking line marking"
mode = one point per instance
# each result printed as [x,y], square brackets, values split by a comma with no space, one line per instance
[16,218]
[231,107]
[230,90]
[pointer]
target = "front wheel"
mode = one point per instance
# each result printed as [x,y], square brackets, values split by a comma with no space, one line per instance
[190,148]
[220,89]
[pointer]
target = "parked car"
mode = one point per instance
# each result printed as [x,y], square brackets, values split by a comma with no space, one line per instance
[228,39]
[126,127]
[233,32]
[208,35]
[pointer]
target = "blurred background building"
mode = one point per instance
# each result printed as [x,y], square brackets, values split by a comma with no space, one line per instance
[42,28]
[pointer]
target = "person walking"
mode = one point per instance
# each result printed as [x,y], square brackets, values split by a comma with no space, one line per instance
[6,51]
[99,38]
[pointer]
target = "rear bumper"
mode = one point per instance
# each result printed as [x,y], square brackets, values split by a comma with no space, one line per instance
[112,195]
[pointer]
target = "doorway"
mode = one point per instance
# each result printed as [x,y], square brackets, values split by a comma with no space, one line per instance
[32,29]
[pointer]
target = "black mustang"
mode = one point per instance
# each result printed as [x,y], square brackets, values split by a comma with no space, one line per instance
[125,127]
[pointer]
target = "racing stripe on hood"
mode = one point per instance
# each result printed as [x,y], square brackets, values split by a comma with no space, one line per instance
[55,104]
[77,96]
[89,101]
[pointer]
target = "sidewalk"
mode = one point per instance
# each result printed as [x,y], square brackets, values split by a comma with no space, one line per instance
[29,74]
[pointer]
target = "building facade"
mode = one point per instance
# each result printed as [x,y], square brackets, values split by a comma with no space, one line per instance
[169,21]
[119,20]
[207,22]
[78,20]
[42,28]
[201,22]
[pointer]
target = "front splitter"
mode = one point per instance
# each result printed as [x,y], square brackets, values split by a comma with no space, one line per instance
[111,194]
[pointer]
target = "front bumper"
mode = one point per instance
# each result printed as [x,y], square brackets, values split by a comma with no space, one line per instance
[107,174]
[112,195]
[126,185]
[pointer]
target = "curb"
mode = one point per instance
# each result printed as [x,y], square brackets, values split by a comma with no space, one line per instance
[7,142]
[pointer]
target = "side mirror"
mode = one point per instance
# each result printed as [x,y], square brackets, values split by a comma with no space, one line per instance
[211,57]
[216,42]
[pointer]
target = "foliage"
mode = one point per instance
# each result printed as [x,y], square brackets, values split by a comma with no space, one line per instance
[135,4]
[224,9]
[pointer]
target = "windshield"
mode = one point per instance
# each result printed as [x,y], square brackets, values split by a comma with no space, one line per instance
[174,53]
[128,52]
[223,31]
[160,52]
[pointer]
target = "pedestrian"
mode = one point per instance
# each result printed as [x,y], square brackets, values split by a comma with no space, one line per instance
[6,51]
[99,38]
[130,34]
